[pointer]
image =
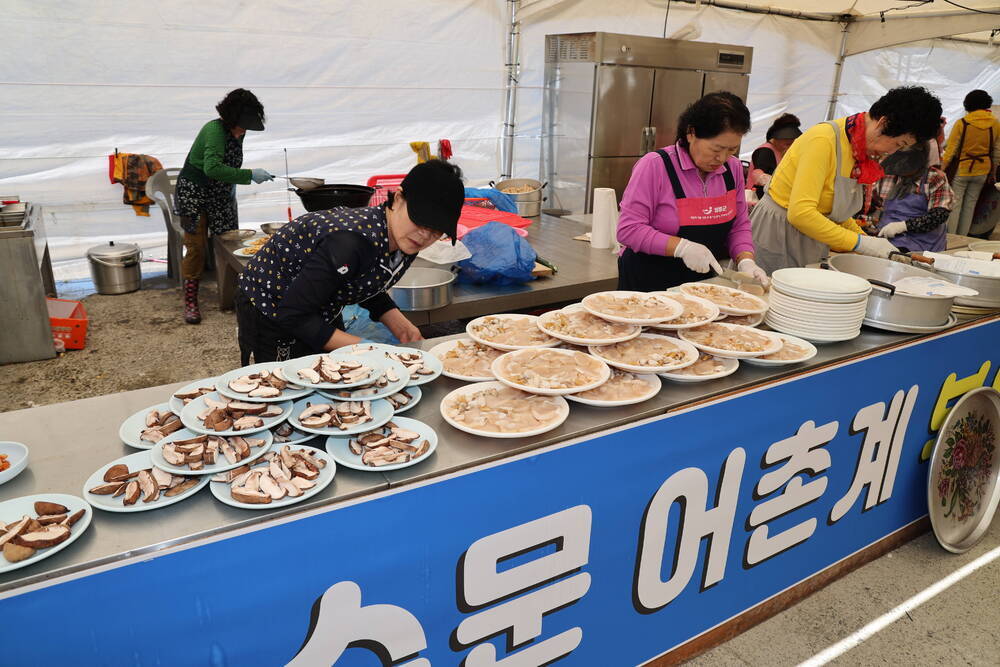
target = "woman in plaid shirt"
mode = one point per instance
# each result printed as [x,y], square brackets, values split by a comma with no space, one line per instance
[911,203]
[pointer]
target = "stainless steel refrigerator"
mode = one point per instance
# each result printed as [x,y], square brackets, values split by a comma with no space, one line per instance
[610,99]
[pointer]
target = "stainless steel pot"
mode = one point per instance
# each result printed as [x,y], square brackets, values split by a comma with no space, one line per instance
[885,304]
[529,204]
[115,269]
[988,288]
[529,209]
[423,289]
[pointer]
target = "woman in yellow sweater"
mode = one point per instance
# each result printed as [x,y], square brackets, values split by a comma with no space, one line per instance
[974,147]
[818,186]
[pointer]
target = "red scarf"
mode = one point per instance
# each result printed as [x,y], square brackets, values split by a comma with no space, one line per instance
[866,170]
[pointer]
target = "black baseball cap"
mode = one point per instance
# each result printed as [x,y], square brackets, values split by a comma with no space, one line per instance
[251,119]
[434,196]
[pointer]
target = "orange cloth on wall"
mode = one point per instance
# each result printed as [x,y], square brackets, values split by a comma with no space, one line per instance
[132,170]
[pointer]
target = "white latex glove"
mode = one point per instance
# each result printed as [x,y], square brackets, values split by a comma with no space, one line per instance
[874,246]
[749,267]
[260,175]
[696,256]
[892,229]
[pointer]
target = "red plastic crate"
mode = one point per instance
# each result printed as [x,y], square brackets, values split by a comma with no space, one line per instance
[383,184]
[69,322]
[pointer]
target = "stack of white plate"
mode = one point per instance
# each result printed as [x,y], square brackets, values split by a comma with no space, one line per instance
[820,306]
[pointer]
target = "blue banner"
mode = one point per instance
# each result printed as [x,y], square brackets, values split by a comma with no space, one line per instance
[608,551]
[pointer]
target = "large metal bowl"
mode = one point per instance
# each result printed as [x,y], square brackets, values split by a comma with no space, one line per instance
[324,197]
[423,289]
[271,227]
[885,304]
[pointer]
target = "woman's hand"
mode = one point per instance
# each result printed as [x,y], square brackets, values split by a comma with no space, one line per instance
[402,328]
[696,256]
[749,267]
[260,175]
[892,229]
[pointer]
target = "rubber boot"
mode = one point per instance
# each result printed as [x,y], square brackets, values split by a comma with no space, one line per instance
[191,313]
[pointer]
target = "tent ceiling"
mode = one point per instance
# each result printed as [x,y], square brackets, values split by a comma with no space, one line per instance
[871,7]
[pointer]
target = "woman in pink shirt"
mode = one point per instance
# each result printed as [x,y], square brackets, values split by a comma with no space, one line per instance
[685,205]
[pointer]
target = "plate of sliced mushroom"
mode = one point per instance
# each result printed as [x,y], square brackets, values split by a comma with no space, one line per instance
[632,307]
[332,370]
[622,388]
[133,484]
[399,443]
[188,453]
[405,398]
[649,353]
[260,383]
[509,331]
[466,360]
[283,477]
[391,377]
[189,392]
[494,410]
[150,425]
[314,414]
[574,324]
[550,371]
[708,367]
[220,415]
[286,434]
[422,366]
[33,528]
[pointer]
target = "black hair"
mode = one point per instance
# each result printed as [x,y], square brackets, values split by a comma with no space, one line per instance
[441,165]
[908,110]
[781,122]
[712,115]
[235,103]
[976,100]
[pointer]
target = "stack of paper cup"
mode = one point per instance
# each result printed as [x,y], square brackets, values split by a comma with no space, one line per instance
[605,219]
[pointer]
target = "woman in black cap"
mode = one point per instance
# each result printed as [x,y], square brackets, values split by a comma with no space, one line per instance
[206,186]
[783,131]
[294,288]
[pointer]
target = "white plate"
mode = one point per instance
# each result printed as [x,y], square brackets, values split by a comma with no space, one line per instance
[690,289]
[416,393]
[290,370]
[675,296]
[381,413]
[736,354]
[17,457]
[604,374]
[675,308]
[818,297]
[429,360]
[441,349]
[752,320]
[221,463]
[342,454]
[137,461]
[503,346]
[820,282]
[815,337]
[251,242]
[243,252]
[649,378]
[691,356]
[811,352]
[816,326]
[729,367]
[790,304]
[222,490]
[189,416]
[544,320]
[132,428]
[903,328]
[398,369]
[473,388]
[14,509]
[290,393]
[176,404]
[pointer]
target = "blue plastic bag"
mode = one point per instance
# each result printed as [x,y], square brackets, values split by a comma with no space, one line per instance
[499,256]
[502,200]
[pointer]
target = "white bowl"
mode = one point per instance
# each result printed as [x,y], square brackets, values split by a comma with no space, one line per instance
[17,456]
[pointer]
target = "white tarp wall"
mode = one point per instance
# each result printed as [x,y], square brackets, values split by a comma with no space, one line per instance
[347,85]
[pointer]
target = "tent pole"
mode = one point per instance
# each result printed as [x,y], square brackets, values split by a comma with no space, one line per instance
[838,70]
[510,100]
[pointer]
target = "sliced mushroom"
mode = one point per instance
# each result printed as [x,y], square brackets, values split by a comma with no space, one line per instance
[244,423]
[15,553]
[132,492]
[181,488]
[229,453]
[303,483]
[172,456]
[75,516]
[252,482]
[244,384]
[291,488]
[224,425]
[152,418]
[148,486]
[404,435]
[271,487]
[309,375]
[195,440]
[116,473]
[247,408]
[318,421]
[355,447]
[265,392]
[171,425]
[196,465]
[14,530]
[424,446]
[276,471]
[315,409]
[310,460]
[47,537]
[47,519]
[216,405]
[42,507]
[250,497]
[300,469]
[272,411]
[162,478]
[240,446]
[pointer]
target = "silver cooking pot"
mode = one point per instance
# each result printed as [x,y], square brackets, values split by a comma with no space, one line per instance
[988,288]
[885,304]
[529,204]
[423,289]
[115,268]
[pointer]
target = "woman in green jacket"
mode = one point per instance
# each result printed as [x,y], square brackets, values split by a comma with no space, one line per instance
[206,186]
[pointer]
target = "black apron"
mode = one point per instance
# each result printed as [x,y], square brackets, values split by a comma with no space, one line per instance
[640,272]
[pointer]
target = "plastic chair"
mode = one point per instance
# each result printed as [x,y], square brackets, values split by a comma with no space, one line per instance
[160,188]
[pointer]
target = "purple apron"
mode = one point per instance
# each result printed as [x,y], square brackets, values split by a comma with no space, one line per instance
[912,206]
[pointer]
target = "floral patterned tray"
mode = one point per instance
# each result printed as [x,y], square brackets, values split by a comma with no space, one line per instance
[962,488]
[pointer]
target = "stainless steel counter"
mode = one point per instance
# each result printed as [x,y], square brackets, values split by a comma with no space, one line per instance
[68,441]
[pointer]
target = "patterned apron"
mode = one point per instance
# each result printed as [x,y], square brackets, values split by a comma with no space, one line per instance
[217,200]
[911,206]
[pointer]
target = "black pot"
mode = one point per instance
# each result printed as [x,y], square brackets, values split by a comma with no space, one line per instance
[326,197]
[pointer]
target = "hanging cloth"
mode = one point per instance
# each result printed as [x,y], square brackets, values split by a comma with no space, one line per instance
[132,170]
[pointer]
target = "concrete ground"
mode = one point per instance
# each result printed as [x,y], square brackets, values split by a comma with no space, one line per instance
[959,626]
